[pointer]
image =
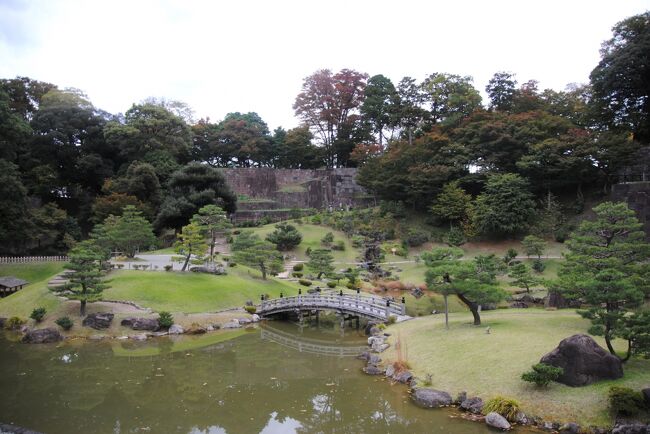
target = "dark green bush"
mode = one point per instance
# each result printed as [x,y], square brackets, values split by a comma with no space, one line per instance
[165,319]
[297,275]
[327,239]
[350,285]
[298,267]
[168,267]
[250,309]
[416,238]
[539,266]
[38,314]
[625,401]
[305,282]
[358,241]
[455,237]
[232,264]
[331,284]
[64,322]
[542,374]
[340,245]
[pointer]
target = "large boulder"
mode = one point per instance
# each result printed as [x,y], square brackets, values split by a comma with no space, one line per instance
[98,321]
[495,420]
[430,398]
[42,336]
[148,324]
[555,300]
[176,329]
[373,370]
[584,361]
[403,377]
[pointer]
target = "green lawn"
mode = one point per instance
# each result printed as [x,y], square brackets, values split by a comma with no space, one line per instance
[466,358]
[33,295]
[311,236]
[193,292]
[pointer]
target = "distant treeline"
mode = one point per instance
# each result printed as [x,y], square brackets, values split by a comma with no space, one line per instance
[66,165]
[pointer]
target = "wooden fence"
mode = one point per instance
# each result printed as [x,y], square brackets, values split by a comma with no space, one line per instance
[27,259]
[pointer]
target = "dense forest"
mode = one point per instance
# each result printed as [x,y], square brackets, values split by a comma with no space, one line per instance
[66,165]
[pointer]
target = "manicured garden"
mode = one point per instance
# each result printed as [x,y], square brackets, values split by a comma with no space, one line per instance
[466,358]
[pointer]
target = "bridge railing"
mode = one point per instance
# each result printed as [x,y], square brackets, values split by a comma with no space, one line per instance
[362,304]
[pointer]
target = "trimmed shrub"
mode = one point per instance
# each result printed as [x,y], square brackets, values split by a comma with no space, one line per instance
[542,374]
[455,237]
[327,239]
[506,407]
[250,309]
[625,401]
[232,264]
[297,275]
[298,267]
[165,319]
[316,219]
[350,285]
[38,314]
[539,266]
[416,238]
[169,267]
[64,322]
[358,241]
[391,319]
[340,245]
[305,282]
[331,284]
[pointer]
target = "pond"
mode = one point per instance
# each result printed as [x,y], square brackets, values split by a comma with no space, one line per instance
[275,379]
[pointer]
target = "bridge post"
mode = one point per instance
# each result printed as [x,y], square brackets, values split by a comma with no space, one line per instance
[403,305]
[387,309]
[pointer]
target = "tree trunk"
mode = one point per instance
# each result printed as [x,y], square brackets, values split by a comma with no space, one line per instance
[263,269]
[212,243]
[629,351]
[446,312]
[473,307]
[187,260]
[82,309]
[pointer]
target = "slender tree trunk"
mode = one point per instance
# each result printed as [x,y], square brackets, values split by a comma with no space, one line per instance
[410,136]
[629,351]
[212,243]
[263,269]
[548,199]
[446,312]
[187,261]
[473,307]
[82,309]
[608,339]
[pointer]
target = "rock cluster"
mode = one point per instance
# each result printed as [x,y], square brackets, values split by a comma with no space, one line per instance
[98,321]
[495,420]
[148,324]
[42,336]
[430,398]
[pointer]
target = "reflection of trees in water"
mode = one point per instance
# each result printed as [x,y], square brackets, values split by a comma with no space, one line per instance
[240,386]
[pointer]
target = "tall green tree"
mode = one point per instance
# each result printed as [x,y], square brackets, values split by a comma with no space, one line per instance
[321,261]
[472,281]
[450,97]
[505,207]
[621,88]
[189,189]
[191,242]
[379,104]
[86,283]
[501,90]
[607,267]
[212,221]
[453,204]
[522,276]
[409,113]
[129,232]
[249,249]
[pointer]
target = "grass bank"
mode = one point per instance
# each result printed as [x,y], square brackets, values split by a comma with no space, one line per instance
[33,295]
[466,358]
[193,292]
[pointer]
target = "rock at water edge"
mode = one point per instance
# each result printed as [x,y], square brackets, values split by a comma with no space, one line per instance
[495,420]
[430,398]
[42,336]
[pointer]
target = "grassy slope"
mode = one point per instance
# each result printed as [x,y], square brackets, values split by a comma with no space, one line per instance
[33,295]
[311,236]
[466,358]
[192,292]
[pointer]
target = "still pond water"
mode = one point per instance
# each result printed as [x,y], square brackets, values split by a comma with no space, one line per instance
[277,379]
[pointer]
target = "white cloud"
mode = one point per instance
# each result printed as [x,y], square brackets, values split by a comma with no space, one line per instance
[252,55]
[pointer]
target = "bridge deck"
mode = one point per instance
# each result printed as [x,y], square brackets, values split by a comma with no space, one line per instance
[361,305]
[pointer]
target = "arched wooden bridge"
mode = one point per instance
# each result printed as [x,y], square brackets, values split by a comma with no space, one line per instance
[349,304]
[314,346]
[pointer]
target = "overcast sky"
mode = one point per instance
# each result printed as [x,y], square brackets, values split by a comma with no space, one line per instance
[226,56]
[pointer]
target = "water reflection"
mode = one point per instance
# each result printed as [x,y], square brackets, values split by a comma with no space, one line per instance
[241,385]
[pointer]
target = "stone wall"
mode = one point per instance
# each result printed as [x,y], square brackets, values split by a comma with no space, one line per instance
[637,196]
[263,189]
